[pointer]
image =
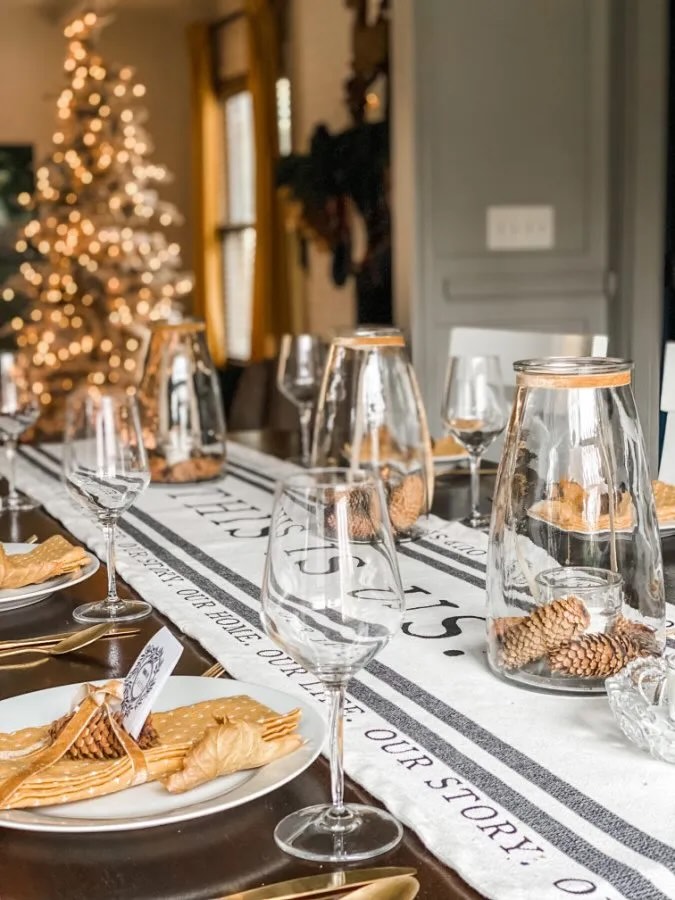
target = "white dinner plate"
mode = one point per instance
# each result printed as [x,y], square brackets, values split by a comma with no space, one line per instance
[15,598]
[149,805]
[534,514]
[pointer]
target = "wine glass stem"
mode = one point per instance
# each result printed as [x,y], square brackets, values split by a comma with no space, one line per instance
[11,474]
[112,599]
[474,467]
[336,734]
[305,419]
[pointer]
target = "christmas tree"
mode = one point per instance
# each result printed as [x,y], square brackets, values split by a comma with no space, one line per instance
[96,264]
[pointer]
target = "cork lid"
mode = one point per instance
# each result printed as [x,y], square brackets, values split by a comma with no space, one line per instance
[371,337]
[573,372]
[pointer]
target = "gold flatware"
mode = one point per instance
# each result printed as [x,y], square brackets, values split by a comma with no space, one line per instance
[46,640]
[401,887]
[73,642]
[320,885]
[33,539]
[6,667]
[214,671]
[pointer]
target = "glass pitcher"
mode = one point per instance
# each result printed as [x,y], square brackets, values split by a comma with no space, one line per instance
[181,406]
[575,577]
[370,416]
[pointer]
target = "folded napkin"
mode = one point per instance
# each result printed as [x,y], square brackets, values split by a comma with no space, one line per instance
[56,556]
[36,770]
[448,446]
[583,510]
[664,495]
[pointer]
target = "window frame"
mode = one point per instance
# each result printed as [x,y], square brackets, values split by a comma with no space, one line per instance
[224,89]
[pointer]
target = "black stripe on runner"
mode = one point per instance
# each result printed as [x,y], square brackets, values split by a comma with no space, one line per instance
[406,550]
[569,796]
[450,554]
[240,465]
[255,484]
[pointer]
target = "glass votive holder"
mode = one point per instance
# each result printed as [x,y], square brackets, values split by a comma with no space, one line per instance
[600,591]
[642,699]
[655,682]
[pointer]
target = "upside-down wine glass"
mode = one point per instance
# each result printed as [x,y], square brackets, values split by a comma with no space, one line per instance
[299,371]
[105,469]
[18,412]
[332,598]
[475,413]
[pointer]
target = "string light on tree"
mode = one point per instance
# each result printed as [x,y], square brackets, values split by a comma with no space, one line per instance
[98,265]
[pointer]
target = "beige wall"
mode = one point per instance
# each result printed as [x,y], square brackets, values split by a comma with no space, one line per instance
[320,33]
[32,50]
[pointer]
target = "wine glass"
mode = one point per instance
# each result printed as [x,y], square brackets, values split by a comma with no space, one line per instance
[105,469]
[474,412]
[18,411]
[299,371]
[332,598]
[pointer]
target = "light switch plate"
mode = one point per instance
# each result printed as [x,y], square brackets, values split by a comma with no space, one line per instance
[520,228]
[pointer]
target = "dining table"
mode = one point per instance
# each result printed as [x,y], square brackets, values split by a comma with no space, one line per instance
[206,858]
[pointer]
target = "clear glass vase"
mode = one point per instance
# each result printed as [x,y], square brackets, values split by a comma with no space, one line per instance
[575,576]
[181,406]
[370,416]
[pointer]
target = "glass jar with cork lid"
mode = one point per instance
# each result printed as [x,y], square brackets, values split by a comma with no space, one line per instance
[575,575]
[181,406]
[370,416]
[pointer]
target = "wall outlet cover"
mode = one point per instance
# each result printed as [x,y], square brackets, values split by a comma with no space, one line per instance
[520,228]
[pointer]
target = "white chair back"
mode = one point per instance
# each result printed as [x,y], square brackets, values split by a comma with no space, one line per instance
[510,346]
[667,464]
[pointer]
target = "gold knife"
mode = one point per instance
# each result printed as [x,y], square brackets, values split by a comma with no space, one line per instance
[400,887]
[47,639]
[316,885]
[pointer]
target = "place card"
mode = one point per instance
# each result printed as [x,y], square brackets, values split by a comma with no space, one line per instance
[147,677]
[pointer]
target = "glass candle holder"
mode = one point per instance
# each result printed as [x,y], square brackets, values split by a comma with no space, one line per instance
[573,508]
[642,699]
[600,591]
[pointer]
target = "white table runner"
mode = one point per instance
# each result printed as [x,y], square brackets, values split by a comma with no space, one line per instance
[526,794]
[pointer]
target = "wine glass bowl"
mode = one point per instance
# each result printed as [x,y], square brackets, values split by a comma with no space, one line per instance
[19,411]
[332,599]
[299,371]
[474,413]
[105,469]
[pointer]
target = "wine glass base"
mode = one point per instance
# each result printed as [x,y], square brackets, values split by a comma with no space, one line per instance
[20,503]
[124,611]
[316,834]
[476,521]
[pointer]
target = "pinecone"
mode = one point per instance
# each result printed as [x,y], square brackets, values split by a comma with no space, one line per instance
[363,520]
[98,740]
[595,655]
[544,628]
[406,502]
[502,624]
[636,631]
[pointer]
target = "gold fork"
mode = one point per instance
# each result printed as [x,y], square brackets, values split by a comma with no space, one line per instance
[214,671]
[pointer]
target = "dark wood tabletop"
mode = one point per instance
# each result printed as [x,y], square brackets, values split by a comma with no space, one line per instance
[196,860]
